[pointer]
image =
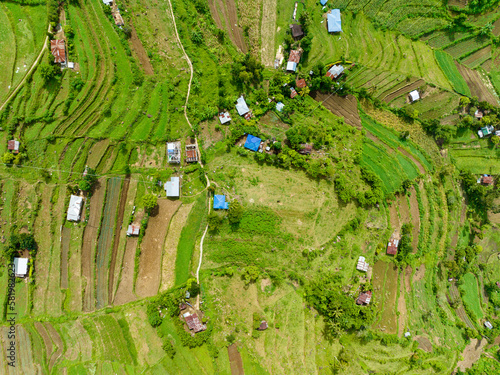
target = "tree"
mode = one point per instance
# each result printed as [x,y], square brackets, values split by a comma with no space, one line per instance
[197,36]
[251,274]
[48,72]
[8,158]
[235,212]
[495,140]
[215,221]
[84,185]
[127,31]
[464,101]
[150,201]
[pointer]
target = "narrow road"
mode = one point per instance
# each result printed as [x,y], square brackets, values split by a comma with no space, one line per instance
[35,63]
[195,139]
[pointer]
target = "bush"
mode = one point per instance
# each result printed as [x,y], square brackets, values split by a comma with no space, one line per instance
[169,349]
[154,317]
[150,202]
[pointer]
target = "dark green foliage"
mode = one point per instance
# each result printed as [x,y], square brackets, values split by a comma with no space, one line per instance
[235,212]
[215,221]
[88,181]
[479,196]
[405,249]
[49,72]
[169,348]
[154,317]
[247,70]
[53,11]
[197,36]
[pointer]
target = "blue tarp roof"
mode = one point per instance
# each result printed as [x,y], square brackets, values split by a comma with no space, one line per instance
[334,23]
[252,142]
[220,202]
[323,2]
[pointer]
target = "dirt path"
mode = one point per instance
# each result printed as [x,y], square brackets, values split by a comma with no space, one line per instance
[471,354]
[148,279]
[116,241]
[125,292]
[267,30]
[171,243]
[90,241]
[66,237]
[235,360]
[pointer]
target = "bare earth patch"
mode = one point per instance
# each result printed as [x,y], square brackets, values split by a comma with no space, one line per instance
[345,107]
[235,360]
[471,354]
[125,292]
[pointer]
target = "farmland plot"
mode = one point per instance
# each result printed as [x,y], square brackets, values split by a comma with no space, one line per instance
[24,353]
[226,17]
[268,27]
[385,285]
[476,84]
[105,242]
[345,107]
[148,279]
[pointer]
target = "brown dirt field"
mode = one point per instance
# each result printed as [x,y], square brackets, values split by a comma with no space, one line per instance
[96,152]
[171,243]
[116,242]
[394,217]
[235,360]
[408,272]
[404,210]
[66,237]
[345,107]
[90,241]
[125,292]
[476,85]
[419,273]
[227,9]
[415,219]
[404,90]
[56,339]
[424,343]
[496,27]
[140,52]
[45,337]
[402,306]
[471,354]
[267,31]
[385,281]
[478,55]
[421,169]
[148,279]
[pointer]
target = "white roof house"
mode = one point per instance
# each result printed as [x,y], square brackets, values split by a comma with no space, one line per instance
[488,325]
[362,265]
[174,152]
[20,267]
[414,96]
[335,71]
[107,2]
[133,230]
[224,117]
[241,106]
[279,106]
[291,66]
[75,208]
[172,187]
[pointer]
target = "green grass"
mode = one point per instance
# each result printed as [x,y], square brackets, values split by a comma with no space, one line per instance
[447,63]
[189,235]
[470,294]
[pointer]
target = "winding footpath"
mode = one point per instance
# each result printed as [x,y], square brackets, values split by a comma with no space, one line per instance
[195,139]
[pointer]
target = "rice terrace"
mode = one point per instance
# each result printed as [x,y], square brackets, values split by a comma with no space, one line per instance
[249,187]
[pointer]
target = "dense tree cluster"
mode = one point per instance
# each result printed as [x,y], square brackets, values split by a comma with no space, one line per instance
[20,242]
[247,70]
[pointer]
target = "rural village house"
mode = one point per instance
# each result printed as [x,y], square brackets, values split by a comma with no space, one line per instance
[297,32]
[253,143]
[242,108]
[486,179]
[172,187]
[220,202]
[300,83]
[484,132]
[335,71]
[75,208]
[13,146]
[133,230]
[334,22]
[20,267]
[364,298]
[224,117]
[280,106]
[293,92]
[305,148]
[414,96]
[362,265]
[191,153]
[174,152]
[293,60]
[193,322]
[263,326]
[58,50]
[392,246]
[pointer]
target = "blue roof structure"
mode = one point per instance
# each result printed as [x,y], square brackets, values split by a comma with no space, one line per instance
[334,22]
[252,142]
[323,2]
[220,202]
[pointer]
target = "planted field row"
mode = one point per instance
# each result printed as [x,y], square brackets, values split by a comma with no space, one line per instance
[466,47]
[449,68]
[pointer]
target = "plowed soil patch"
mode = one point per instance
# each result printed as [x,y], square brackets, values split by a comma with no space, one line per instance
[424,343]
[394,217]
[89,243]
[404,90]
[116,242]
[56,339]
[125,292]
[345,107]
[226,10]
[148,280]
[402,306]
[66,237]
[235,360]
[45,337]
[140,52]
[471,354]
[476,85]
[171,243]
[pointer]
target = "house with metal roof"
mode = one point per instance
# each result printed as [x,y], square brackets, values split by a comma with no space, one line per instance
[191,153]
[220,202]
[300,83]
[224,117]
[392,246]
[323,2]
[20,267]
[362,265]
[364,298]
[133,230]
[334,22]
[252,143]
[13,146]
[335,71]
[414,96]
[58,50]
[486,179]
[174,152]
[297,32]
[74,208]
[241,106]
[173,187]
[484,132]
[279,106]
[293,92]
